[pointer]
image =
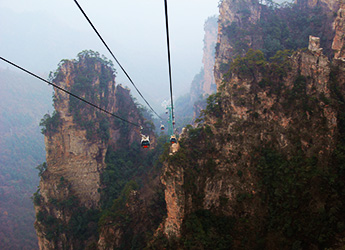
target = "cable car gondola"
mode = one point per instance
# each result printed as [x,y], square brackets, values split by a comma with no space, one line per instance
[162,127]
[173,139]
[145,141]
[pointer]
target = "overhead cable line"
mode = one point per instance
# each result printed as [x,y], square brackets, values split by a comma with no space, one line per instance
[169,60]
[105,44]
[66,91]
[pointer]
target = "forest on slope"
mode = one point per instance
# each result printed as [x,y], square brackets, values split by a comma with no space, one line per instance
[23,101]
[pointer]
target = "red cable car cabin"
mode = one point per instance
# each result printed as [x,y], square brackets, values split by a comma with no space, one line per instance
[145,142]
[173,139]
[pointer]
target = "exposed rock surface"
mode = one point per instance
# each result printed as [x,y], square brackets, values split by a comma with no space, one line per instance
[252,118]
[173,180]
[288,108]
[314,44]
[210,40]
[203,83]
[339,26]
[241,13]
[71,183]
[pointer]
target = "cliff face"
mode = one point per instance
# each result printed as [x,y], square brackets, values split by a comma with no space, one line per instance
[173,179]
[339,27]
[242,14]
[69,153]
[270,28]
[248,117]
[203,83]
[210,40]
[267,157]
[77,138]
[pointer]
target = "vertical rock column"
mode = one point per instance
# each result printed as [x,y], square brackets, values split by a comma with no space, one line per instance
[339,40]
[173,179]
[210,40]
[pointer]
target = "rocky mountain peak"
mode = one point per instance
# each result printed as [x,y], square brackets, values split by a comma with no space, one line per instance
[77,139]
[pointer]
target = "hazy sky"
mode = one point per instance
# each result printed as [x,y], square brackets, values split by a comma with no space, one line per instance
[37,34]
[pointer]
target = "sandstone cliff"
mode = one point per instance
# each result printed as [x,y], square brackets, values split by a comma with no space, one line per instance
[210,39]
[248,24]
[264,169]
[77,139]
[188,107]
[241,14]
[339,27]
[203,83]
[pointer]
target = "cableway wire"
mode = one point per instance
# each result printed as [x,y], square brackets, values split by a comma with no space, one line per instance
[169,61]
[124,71]
[66,91]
